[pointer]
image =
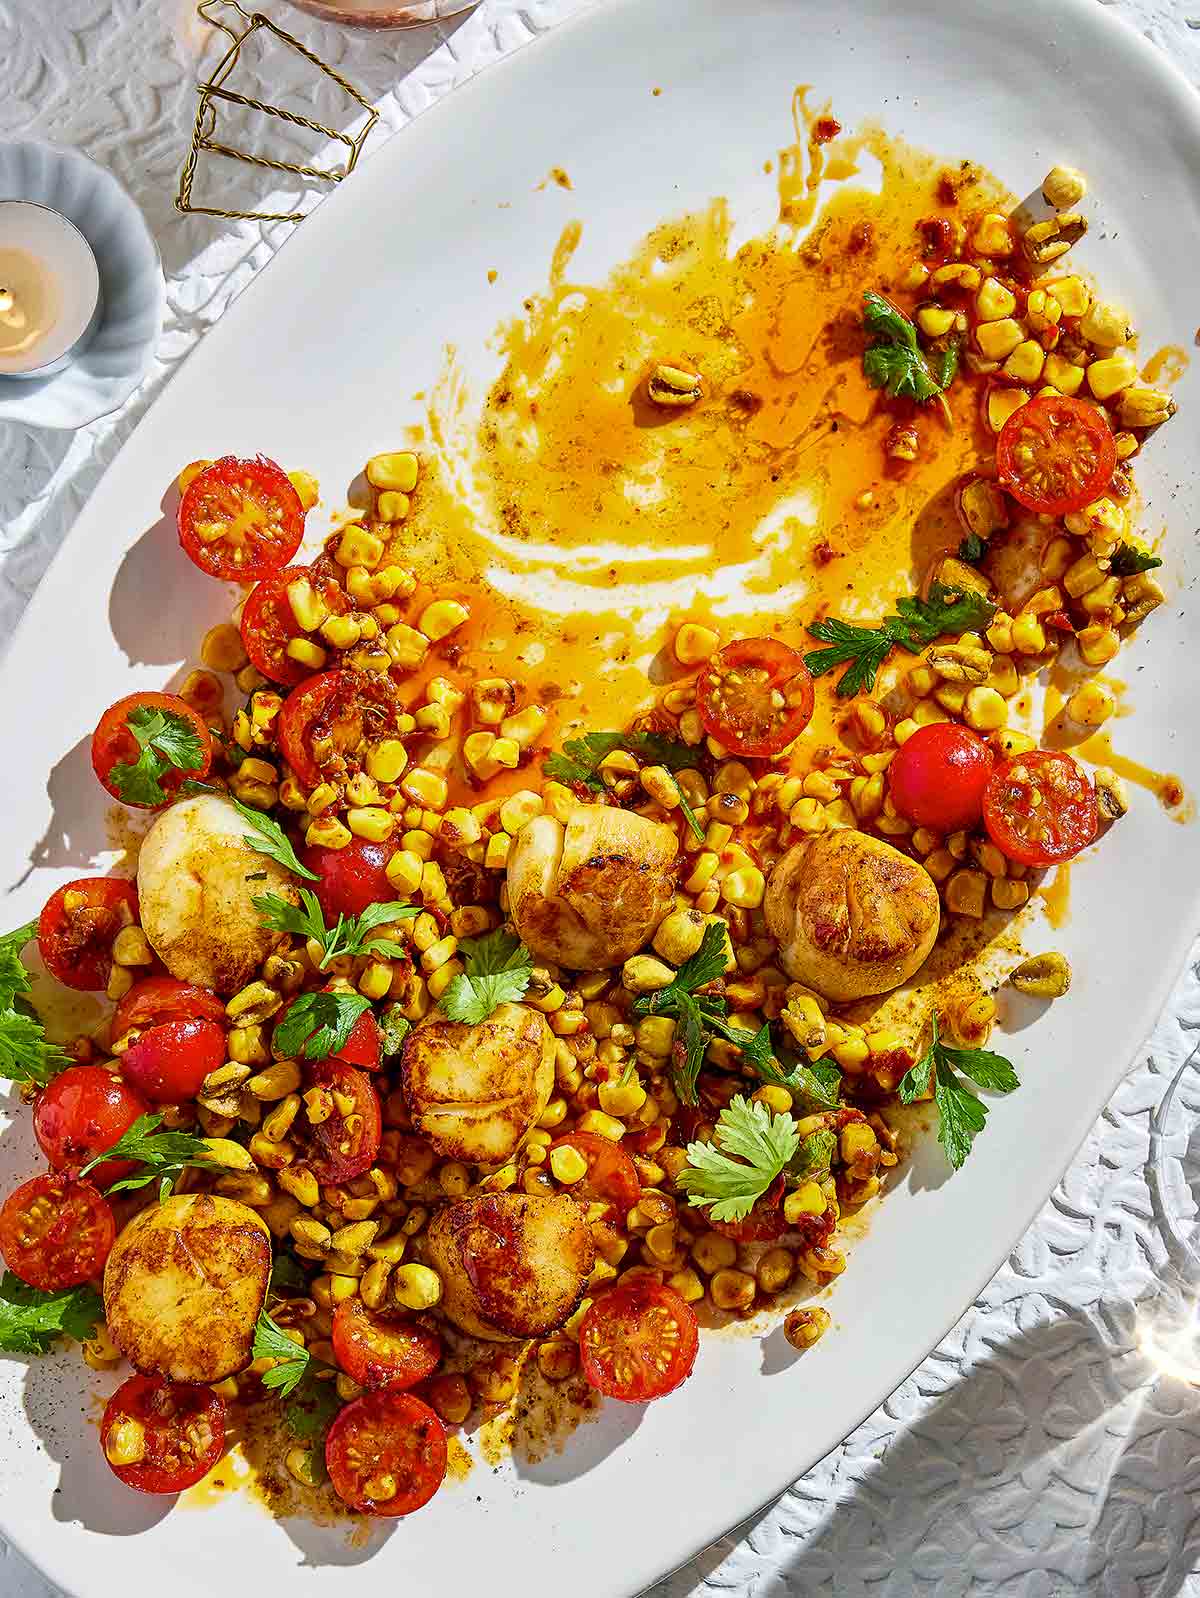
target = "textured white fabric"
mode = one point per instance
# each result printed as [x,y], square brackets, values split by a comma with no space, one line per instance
[1033,1453]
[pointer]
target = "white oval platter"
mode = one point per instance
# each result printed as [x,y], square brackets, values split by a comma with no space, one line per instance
[313,366]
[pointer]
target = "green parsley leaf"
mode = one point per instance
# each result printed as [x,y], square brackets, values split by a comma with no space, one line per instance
[31,1320]
[814,1157]
[162,1155]
[394,1027]
[689,815]
[698,1020]
[581,758]
[1128,559]
[817,1082]
[268,837]
[311,1406]
[894,361]
[916,622]
[961,1116]
[498,969]
[750,1147]
[972,549]
[318,1024]
[351,935]
[272,1342]
[286,1275]
[165,740]
[14,979]
[25,1055]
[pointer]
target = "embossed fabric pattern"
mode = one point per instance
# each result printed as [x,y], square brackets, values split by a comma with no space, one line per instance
[1033,1453]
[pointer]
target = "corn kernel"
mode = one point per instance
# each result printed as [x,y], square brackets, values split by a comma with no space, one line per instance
[358,547]
[984,709]
[1109,376]
[1025,363]
[416,1287]
[396,471]
[1097,645]
[991,235]
[439,619]
[1001,404]
[965,893]
[694,644]
[997,340]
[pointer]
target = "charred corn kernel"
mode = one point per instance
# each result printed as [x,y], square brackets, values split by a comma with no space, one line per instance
[934,320]
[247,1046]
[808,815]
[416,1287]
[1063,187]
[291,795]
[1144,407]
[395,471]
[994,302]
[1042,310]
[1111,798]
[989,858]
[255,1002]
[222,648]
[425,787]
[1090,705]
[442,617]
[775,1097]
[991,235]
[1007,894]
[125,1442]
[403,871]
[370,822]
[966,893]
[358,547]
[1028,634]
[808,1199]
[658,783]
[939,864]
[1142,594]
[323,797]
[130,947]
[307,1229]
[694,644]
[354,1239]
[984,710]
[300,1182]
[276,1082]
[388,1250]
[327,832]
[1097,645]
[1010,742]
[306,653]
[525,727]
[678,936]
[1049,241]
[1044,976]
[714,1252]
[406,646]
[307,606]
[997,340]
[1026,362]
[1062,374]
[621,1098]
[804,1327]
[1001,403]
[820,785]
[745,889]
[1110,375]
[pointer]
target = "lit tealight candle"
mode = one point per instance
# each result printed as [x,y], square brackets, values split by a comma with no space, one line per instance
[49,289]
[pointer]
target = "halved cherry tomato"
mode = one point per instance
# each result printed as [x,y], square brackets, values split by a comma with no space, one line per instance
[82,1112]
[327,722]
[611,1175]
[1056,454]
[56,1232]
[938,777]
[1040,808]
[376,1351]
[340,1151]
[386,1442]
[154,1000]
[755,696]
[169,1062]
[240,520]
[114,745]
[182,1433]
[268,624]
[765,1221]
[77,926]
[638,1342]
[350,878]
[361,1048]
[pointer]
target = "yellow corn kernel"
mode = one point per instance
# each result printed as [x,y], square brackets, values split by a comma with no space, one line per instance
[808,1199]
[1111,375]
[1144,407]
[396,471]
[307,488]
[1026,362]
[994,302]
[1105,325]
[406,646]
[222,648]
[841,814]
[392,506]
[130,947]
[568,1165]
[940,863]
[1090,705]
[1043,310]
[404,872]
[1028,635]
[952,696]
[416,1287]
[1001,403]
[525,727]
[1007,894]
[306,653]
[1003,677]
[327,832]
[1062,374]
[1142,594]
[935,320]
[358,547]
[966,892]
[434,720]
[992,235]
[439,619]
[985,709]
[703,867]
[1010,742]
[370,822]
[694,644]
[425,787]
[997,340]
[519,808]
[776,1098]
[125,1442]
[1097,645]
[496,854]
[276,1082]
[745,888]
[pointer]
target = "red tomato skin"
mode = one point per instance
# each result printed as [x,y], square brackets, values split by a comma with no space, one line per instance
[418,1430]
[351,878]
[785,665]
[154,1000]
[612,1176]
[144,1398]
[1078,819]
[305,704]
[416,1354]
[626,1306]
[113,744]
[764,1223]
[169,1062]
[938,777]
[268,623]
[227,473]
[82,1112]
[1039,413]
[362,1046]
[328,1162]
[76,948]
[53,1263]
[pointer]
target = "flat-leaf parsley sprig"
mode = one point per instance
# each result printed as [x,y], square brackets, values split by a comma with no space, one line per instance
[581,759]
[291,1358]
[961,1114]
[25,1055]
[751,1147]
[161,1155]
[350,935]
[30,1320]
[317,1025]
[498,971]
[894,359]
[166,741]
[916,622]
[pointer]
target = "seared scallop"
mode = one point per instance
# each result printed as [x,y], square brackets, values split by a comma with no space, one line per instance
[852,916]
[513,1265]
[474,1091]
[589,894]
[197,880]
[184,1285]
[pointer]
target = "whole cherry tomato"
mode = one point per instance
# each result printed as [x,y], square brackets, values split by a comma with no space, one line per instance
[939,775]
[82,1112]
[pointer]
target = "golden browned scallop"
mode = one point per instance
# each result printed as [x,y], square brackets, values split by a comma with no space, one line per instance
[197,880]
[184,1285]
[474,1091]
[852,916]
[589,894]
[512,1264]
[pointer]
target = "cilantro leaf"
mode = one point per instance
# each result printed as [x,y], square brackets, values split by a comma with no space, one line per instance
[165,740]
[814,1157]
[162,1155]
[25,1055]
[698,1021]
[350,935]
[394,1027]
[498,969]
[750,1147]
[318,1024]
[1128,559]
[894,361]
[272,1342]
[689,1048]
[30,1320]
[961,1115]
[916,622]
[311,1406]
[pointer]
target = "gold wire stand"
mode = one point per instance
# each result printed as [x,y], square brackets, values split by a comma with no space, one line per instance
[212,89]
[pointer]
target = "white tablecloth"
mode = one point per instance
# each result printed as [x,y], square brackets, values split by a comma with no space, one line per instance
[1034,1452]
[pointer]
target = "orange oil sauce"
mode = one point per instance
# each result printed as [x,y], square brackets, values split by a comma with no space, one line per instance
[1056,896]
